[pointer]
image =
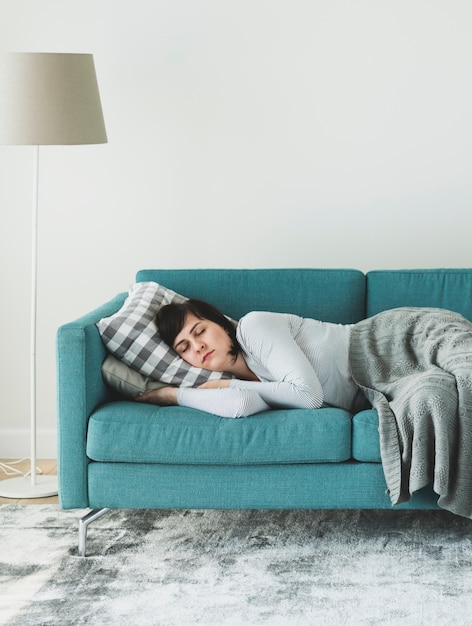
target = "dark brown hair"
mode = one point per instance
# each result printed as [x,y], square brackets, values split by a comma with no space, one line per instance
[170,320]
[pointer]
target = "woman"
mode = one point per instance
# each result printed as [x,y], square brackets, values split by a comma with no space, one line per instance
[414,365]
[275,359]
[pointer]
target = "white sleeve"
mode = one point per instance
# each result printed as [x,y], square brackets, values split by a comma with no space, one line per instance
[267,338]
[225,402]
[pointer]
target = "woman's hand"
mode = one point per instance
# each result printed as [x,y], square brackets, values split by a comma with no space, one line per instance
[164,396]
[215,384]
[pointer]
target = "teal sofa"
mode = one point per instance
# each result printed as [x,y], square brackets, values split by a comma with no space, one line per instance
[115,453]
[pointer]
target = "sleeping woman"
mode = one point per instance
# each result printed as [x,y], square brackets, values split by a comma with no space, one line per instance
[277,360]
[413,365]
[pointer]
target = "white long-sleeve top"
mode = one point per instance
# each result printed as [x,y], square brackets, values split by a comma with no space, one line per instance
[300,362]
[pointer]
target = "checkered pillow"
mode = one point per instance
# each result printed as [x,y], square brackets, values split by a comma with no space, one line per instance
[131,335]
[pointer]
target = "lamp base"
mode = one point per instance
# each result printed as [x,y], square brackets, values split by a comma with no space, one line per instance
[23,488]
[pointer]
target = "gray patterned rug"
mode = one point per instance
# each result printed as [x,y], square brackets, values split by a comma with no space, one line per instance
[218,568]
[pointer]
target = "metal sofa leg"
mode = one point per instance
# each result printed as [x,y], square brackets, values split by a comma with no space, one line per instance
[83,527]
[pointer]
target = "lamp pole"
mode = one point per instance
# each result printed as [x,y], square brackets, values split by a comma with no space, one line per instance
[45,99]
[37,486]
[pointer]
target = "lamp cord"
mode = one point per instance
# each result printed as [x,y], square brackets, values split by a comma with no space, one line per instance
[8,470]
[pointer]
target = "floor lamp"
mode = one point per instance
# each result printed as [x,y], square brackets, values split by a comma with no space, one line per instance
[45,99]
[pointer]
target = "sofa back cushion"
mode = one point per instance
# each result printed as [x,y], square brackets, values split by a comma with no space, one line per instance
[332,295]
[443,288]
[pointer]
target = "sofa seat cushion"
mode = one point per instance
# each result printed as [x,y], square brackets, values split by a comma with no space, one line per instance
[127,432]
[365,437]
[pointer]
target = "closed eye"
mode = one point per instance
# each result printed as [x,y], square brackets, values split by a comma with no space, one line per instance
[181,348]
[197,329]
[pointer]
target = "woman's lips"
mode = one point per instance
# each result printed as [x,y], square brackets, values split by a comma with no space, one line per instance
[207,355]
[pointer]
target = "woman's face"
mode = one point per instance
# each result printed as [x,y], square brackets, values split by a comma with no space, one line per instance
[205,344]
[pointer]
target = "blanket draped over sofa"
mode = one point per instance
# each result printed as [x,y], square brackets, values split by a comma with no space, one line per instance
[415,367]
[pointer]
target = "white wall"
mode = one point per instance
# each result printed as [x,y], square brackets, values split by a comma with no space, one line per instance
[243,133]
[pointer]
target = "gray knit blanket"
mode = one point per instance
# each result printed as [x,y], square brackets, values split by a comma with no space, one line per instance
[415,367]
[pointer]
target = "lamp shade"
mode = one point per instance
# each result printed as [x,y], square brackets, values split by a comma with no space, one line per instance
[49,99]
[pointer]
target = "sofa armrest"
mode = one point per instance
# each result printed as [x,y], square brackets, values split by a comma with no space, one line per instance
[80,390]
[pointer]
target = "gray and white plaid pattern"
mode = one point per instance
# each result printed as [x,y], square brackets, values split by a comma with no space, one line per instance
[131,335]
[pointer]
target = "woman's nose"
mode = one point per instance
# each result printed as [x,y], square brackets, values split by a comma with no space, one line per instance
[199,345]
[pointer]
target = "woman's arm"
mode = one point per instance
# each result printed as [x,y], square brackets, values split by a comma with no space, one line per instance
[224,402]
[268,338]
